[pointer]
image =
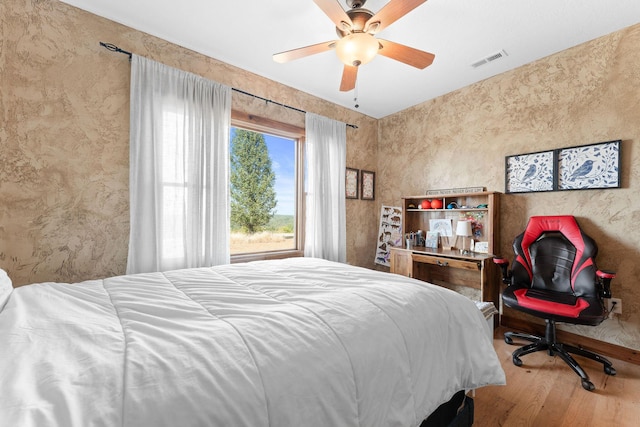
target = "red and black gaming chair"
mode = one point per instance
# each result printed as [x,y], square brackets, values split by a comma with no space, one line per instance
[554,277]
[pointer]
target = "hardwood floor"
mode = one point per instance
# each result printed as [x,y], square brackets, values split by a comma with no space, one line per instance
[544,391]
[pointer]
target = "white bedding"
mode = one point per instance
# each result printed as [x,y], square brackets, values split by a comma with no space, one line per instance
[295,342]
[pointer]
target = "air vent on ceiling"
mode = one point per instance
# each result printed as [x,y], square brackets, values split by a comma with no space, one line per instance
[490,58]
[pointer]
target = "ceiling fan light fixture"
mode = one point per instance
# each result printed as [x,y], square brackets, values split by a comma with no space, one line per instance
[357,49]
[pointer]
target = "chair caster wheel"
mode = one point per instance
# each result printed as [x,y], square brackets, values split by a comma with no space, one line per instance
[588,385]
[517,361]
[508,340]
[609,370]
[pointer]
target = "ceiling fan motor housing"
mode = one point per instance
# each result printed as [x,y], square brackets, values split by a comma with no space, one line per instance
[359,18]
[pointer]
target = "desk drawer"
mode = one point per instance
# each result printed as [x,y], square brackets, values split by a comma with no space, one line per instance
[447,262]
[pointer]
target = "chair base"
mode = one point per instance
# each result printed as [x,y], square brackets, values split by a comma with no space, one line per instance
[549,343]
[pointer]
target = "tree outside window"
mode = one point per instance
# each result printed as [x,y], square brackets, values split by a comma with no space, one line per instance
[253,198]
[263,188]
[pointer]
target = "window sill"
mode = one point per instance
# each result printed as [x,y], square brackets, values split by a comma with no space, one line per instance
[266,255]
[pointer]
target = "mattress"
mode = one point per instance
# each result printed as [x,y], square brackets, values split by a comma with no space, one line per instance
[291,342]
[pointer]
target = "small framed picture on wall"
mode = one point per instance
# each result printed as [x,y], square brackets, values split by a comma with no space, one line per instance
[351,183]
[368,181]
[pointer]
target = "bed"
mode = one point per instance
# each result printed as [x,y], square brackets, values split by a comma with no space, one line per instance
[292,342]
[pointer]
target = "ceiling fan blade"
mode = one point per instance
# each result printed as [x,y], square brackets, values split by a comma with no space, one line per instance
[348,78]
[301,52]
[393,11]
[336,13]
[408,55]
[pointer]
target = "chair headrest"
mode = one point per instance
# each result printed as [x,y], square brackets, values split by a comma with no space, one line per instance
[565,224]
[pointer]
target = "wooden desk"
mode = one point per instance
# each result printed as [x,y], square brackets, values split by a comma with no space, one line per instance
[442,267]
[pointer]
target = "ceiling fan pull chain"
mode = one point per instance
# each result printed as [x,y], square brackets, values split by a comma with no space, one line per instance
[355,93]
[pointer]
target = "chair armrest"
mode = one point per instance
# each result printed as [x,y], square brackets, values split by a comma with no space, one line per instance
[606,274]
[605,277]
[503,263]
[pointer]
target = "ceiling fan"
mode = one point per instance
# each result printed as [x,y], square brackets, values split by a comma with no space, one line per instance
[357,44]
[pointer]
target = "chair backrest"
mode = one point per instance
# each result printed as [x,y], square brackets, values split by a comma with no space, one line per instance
[554,254]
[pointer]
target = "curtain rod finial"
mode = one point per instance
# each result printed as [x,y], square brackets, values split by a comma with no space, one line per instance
[114,48]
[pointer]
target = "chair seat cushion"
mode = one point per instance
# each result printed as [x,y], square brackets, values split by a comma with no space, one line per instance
[557,306]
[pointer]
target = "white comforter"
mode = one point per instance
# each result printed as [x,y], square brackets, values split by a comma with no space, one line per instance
[295,342]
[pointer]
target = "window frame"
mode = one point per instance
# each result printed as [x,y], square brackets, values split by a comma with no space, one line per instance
[254,123]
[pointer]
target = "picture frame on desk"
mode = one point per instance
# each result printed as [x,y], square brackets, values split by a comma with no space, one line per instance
[431,241]
[481,247]
[444,228]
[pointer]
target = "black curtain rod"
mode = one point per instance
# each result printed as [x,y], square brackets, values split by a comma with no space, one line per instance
[115,48]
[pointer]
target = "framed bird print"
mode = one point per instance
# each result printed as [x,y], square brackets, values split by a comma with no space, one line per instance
[589,166]
[526,173]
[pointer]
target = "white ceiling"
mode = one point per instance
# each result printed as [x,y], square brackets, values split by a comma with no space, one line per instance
[459,32]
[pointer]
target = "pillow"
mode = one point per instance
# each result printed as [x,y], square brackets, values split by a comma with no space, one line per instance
[5,288]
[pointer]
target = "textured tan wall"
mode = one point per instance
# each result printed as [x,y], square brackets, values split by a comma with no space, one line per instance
[587,94]
[64,129]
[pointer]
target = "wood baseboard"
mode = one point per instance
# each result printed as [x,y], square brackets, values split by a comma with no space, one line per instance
[604,348]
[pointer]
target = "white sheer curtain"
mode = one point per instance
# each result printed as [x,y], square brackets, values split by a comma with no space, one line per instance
[179,169]
[325,228]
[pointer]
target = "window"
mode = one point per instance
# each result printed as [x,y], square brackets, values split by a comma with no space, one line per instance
[174,187]
[266,187]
